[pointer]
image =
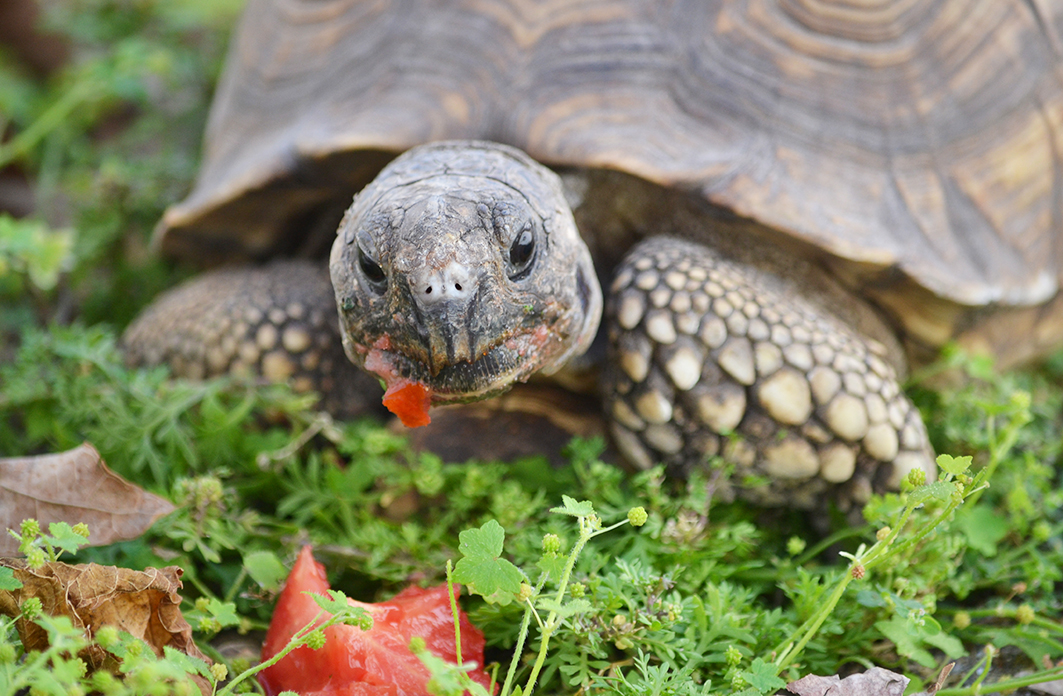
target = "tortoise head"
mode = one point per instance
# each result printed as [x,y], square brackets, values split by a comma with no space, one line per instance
[460,268]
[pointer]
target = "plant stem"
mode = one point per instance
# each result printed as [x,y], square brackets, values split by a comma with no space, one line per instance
[296,641]
[827,542]
[875,556]
[46,122]
[522,636]
[454,613]
[231,594]
[518,648]
[1004,685]
[585,533]
[786,659]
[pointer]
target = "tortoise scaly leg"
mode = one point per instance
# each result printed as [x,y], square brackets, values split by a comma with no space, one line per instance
[277,323]
[710,357]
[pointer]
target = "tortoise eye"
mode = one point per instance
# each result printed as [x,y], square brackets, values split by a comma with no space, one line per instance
[372,271]
[521,254]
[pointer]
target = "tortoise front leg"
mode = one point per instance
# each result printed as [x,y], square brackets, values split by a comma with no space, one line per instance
[277,323]
[709,357]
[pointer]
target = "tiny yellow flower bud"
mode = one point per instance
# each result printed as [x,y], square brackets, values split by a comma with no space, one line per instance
[551,543]
[219,671]
[637,516]
[795,545]
[32,608]
[916,477]
[316,640]
[36,558]
[30,528]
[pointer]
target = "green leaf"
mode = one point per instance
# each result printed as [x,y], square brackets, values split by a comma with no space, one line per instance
[870,598]
[1037,647]
[553,564]
[61,534]
[569,608]
[763,676]
[188,663]
[948,644]
[939,490]
[266,569]
[224,612]
[983,528]
[334,603]
[32,247]
[482,569]
[953,465]
[8,581]
[448,679]
[582,508]
[909,642]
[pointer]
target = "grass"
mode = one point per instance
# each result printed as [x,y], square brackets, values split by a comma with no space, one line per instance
[699,600]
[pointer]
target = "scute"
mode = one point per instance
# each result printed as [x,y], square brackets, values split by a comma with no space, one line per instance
[915,136]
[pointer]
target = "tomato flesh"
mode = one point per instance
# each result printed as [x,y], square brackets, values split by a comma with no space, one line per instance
[406,398]
[409,401]
[354,662]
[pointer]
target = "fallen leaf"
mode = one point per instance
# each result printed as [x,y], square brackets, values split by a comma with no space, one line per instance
[145,604]
[940,681]
[72,487]
[874,682]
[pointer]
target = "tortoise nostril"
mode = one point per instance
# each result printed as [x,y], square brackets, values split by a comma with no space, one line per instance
[452,282]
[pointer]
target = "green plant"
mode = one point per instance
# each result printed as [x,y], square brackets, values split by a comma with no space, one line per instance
[133,668]
[714,598]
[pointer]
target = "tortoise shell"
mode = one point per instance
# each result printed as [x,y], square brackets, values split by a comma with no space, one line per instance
[917,143]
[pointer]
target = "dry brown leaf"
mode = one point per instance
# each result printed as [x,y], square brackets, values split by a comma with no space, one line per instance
[144,603]
[939,682]
[72,487]
[874,682]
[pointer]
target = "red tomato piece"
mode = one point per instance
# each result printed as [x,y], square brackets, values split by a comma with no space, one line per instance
[354,662]
[409,401]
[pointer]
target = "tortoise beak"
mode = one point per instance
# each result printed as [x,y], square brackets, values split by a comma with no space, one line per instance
[446,299]
[449,338]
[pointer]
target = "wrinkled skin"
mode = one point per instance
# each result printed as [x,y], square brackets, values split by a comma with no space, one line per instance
[460,269]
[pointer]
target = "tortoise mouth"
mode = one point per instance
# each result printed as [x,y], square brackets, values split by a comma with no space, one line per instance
[512,359]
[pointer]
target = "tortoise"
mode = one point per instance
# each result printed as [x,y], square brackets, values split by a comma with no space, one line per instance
[786,200]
